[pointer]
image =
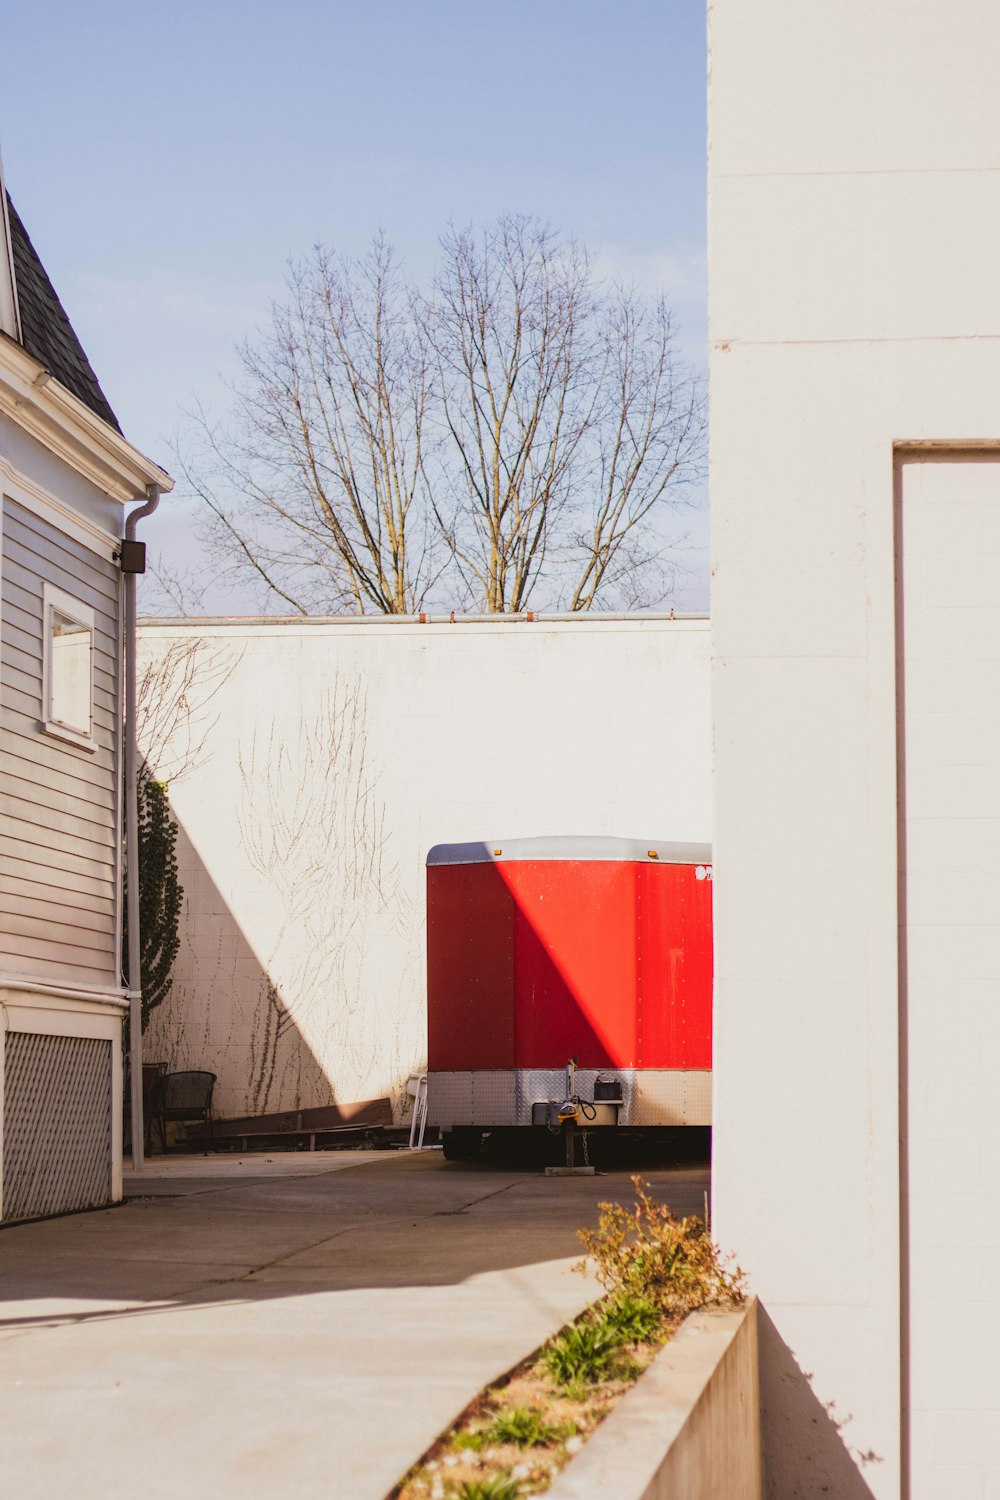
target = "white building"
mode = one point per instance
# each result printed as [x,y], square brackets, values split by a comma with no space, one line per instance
[855,473]
[65,473]
[313,764]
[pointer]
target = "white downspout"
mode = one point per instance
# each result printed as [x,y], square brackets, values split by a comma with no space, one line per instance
[134,976]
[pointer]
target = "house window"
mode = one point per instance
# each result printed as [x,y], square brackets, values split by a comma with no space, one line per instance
[68,668]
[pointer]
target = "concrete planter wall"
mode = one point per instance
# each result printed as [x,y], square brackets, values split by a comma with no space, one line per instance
[690,1427]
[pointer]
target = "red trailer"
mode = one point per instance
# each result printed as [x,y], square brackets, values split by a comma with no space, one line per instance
[547,954]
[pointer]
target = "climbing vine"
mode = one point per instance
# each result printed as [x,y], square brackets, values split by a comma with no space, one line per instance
[160,894]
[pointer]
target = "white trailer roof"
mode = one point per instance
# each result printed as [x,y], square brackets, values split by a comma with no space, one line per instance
[571,847]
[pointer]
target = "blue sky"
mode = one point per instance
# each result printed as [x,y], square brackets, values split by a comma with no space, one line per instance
[169,159]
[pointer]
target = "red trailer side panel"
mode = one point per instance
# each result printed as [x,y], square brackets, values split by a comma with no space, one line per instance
[534,960]
[575,962]
[470,968]
[675,969]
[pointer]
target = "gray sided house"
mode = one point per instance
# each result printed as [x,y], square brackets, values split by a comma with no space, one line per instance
[66,474]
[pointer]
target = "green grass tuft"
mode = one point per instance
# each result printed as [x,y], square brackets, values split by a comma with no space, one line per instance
[635,1318]
[525,1427]
[500,1487]
[583,1353]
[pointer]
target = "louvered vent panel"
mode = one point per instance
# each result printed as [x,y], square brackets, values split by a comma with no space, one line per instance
[56,1124]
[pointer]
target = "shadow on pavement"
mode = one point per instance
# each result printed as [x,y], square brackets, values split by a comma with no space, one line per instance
[406,1221]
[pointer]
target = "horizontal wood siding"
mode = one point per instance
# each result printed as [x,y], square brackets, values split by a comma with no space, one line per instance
[58,832]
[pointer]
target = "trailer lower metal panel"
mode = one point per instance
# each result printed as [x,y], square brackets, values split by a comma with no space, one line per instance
[494,1097]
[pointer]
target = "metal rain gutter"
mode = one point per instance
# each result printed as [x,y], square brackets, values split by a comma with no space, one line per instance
[134,975]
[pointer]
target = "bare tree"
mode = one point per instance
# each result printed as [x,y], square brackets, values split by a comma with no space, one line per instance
[518,389]
[569,415]
[323,462]
[647,445]
[173,590]
[522,434]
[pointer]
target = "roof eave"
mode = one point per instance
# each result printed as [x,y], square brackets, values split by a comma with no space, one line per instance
[36,401]
[10,321]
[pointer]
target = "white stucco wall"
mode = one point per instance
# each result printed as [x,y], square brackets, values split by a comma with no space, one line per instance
[855,307]
[315,765]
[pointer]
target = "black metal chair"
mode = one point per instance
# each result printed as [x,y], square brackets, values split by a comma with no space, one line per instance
[184,1096]
[152,1076]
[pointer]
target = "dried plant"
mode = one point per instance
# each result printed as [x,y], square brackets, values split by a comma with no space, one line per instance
[647,1252]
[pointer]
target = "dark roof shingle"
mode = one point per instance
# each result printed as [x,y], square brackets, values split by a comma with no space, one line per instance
[46,332]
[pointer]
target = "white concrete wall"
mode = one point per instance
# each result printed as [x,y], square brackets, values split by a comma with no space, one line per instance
[317,762]
[950,628]
[855,306]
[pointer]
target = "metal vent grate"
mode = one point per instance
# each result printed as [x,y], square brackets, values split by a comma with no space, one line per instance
[56,1124]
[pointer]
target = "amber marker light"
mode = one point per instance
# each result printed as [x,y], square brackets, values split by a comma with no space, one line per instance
[498,851]
[652,854]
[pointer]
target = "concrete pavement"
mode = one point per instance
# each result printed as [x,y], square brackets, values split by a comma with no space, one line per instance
[302,1329]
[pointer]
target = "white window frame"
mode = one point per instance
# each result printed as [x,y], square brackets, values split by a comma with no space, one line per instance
[74,609]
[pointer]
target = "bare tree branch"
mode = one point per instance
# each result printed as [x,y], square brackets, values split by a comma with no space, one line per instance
[519,435]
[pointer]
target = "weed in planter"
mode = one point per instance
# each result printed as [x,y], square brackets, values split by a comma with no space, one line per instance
[525,1427]
[583,1353]
[635,1319]
[500,1487]
[464,1442]
[647,1253]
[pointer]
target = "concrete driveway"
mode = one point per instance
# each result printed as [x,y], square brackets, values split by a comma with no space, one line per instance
[280,1330]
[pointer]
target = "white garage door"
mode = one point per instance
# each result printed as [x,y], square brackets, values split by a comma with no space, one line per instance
[950,710]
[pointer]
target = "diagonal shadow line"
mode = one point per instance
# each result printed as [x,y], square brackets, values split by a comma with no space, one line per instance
[805,1454]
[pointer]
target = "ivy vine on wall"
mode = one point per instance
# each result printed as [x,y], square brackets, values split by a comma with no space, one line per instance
[160,894]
